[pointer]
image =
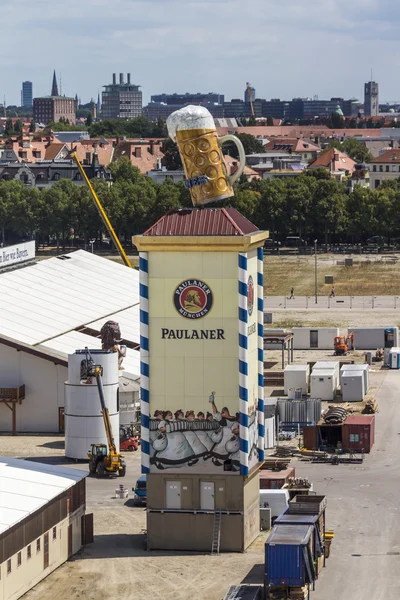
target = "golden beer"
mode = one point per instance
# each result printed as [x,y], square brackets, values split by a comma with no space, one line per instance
[202,157]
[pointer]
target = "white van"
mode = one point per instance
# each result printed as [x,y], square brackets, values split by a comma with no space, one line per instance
[276,500]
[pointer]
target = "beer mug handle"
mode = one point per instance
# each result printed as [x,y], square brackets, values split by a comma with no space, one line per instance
[242,156]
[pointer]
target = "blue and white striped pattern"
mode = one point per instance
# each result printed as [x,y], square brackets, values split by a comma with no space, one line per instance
[243,366]
[144,359]
[260,314]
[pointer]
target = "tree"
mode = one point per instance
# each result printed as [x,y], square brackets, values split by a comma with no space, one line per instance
[89,120]
[353,148]
[270,121]
[123,169]
[360,209]
[32,127]
[18,126]
[172,159]
[252,122]
[9,129]
[336,121]
[328,208]
[251,145]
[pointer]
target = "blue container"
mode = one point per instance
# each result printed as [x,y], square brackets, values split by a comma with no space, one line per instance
[288,560]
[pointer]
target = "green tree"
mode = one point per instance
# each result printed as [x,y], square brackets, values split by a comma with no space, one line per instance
[270,121]
[251,145]
[11,198]
[89,120]
[329,208]
[32,127]
[353,148]
[336,121]
[9,129]
[17,126]
[172,159]
[360,209]
[124,169]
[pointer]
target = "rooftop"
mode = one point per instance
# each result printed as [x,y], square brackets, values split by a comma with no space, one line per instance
[391,156]
[60,304]
[203,221]
[26,486]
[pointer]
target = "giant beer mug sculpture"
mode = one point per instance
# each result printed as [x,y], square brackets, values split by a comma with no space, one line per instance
[193,129]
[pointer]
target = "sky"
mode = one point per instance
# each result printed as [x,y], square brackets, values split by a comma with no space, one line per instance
[284,48]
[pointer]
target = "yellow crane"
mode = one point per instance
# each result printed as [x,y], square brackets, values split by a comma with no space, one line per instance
[102,213]
[250,99]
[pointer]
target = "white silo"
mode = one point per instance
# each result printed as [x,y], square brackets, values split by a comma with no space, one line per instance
[84,423]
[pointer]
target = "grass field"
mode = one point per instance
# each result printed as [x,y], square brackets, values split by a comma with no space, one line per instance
[369,277]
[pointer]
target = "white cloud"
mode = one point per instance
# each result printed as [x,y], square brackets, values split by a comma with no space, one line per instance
[285,48]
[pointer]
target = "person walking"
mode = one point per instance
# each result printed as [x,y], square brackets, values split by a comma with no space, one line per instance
[332,294]
[291,293]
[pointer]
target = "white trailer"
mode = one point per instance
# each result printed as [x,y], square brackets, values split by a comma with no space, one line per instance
[321,338]
[371,338]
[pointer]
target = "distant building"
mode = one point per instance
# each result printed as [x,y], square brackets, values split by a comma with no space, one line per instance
[188,98]
[338,163]
[26,94]
[385,167]
[154,110]
[371,99]
[121,100]
[238,108]
[52,108]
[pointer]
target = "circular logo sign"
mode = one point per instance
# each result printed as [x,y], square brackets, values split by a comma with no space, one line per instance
[193,299]
[250,295]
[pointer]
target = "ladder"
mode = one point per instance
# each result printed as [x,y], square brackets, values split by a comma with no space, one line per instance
[216,533]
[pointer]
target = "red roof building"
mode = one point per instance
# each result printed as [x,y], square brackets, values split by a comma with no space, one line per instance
[338,163]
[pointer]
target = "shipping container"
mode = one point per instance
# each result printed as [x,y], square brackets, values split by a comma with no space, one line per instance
[288,556]
[310,437]
[359,433]
[314,521]
[273,480]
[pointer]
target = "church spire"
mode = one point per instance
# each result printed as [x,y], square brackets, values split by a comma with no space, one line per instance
[54,87]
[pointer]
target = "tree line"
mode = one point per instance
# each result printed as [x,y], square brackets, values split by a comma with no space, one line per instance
[311,205]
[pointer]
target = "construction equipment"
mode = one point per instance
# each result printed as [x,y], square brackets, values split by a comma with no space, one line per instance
[104,459]
[344,344]
[102,213]
[248,88]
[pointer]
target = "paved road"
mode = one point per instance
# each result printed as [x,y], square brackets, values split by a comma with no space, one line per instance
[339,302]
[364,511]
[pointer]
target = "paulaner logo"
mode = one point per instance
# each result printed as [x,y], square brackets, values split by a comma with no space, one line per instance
[193,299]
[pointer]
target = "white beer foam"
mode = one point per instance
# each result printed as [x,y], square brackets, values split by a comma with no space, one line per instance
[189,117]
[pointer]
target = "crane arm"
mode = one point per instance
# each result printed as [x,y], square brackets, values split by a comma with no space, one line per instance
[106,415]
[102,213]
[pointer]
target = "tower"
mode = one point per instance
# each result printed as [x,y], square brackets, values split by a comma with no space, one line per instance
[201,311]
[371,99]
[54,87]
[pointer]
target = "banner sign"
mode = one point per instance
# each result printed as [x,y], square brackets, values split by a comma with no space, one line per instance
[12,255]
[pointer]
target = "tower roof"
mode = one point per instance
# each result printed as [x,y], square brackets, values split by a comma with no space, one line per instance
[199,222]
[54,87]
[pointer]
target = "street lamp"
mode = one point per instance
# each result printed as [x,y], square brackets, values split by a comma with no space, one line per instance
[91,242]
[316,282]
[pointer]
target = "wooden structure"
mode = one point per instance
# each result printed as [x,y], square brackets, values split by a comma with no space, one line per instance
[285,340]
[11,397]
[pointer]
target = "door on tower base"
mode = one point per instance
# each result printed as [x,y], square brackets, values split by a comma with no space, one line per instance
[207,495]
[173,495]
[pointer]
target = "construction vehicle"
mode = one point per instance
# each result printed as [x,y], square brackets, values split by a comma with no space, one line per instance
[104,459]
[344,344]
[102,213]
[248,88]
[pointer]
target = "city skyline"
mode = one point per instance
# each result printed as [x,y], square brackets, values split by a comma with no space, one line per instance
[325,49]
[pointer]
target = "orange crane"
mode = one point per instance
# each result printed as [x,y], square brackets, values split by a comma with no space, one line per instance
[250,99]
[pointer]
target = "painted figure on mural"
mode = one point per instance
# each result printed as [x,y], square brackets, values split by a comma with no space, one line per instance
[184,439]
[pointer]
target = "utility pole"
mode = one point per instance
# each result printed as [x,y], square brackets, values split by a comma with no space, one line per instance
[316,277]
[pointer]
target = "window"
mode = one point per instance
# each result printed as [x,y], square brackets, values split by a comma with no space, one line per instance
[56,176]
[78,177]
[374,168]
[387,168]
[9,566]
[381,168]
[377,183]
[19,559]
[54,533]
[29,552]
[393,168]
[37,545]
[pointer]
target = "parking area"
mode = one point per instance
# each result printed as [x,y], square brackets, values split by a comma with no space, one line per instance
[363,510]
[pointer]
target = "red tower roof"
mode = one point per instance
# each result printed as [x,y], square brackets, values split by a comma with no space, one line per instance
[204,221]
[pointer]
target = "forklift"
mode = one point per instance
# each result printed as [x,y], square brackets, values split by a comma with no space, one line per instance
[104,459]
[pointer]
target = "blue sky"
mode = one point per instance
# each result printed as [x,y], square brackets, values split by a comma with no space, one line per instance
[285,48]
